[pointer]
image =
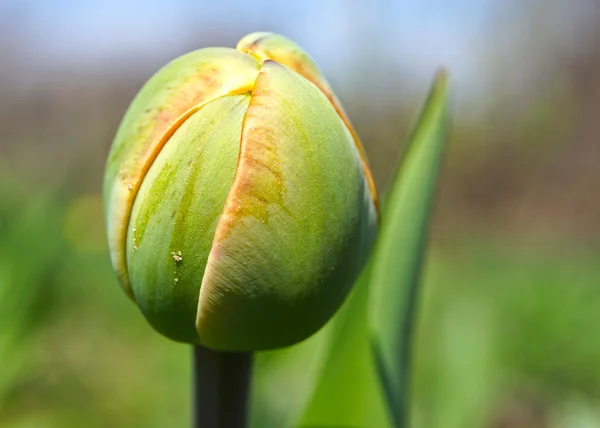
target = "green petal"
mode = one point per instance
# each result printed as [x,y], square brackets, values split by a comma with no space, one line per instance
[167,100]
[265,46]
[297,224]
[176,212]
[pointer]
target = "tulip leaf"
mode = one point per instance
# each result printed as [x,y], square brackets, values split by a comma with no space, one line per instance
[400,249]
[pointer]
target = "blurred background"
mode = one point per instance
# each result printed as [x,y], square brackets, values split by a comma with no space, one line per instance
[509,325]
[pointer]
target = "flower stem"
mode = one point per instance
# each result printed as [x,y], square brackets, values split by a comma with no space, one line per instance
[221,388]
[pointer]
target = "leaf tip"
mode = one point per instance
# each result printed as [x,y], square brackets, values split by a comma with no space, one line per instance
[441,80]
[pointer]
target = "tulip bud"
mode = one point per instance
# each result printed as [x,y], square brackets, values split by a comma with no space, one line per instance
[239,204]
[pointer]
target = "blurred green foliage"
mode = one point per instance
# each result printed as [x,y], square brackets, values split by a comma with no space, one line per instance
[506,333]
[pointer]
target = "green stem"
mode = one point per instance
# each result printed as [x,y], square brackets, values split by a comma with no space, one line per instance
[221,388]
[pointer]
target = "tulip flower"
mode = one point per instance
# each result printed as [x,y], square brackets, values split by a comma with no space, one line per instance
[239,204]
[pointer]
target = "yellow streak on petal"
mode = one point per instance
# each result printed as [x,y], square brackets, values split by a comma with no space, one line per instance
[264,46]
[257,174]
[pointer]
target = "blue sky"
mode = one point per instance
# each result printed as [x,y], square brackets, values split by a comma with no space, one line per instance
[412,37]
[434,31]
